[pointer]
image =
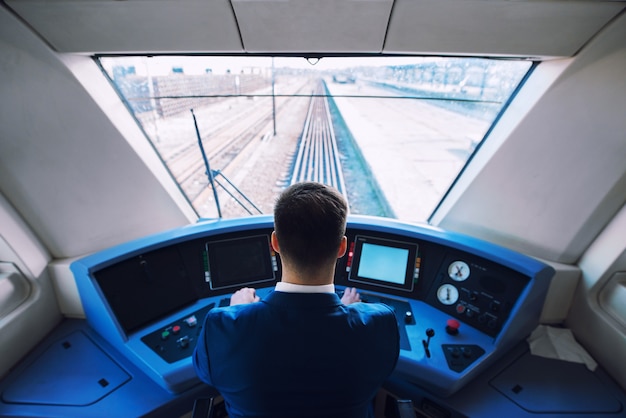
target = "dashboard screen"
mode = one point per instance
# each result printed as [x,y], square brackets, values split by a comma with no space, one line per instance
[385,263]
[146,287]
[239,262]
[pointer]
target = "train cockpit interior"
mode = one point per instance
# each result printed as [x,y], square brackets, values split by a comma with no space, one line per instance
[480,145]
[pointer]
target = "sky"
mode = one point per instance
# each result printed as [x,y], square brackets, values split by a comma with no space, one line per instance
[162,65]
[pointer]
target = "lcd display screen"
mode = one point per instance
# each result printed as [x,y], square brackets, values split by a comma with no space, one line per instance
[239,262]
[382,263]
[146,287]
[385,263]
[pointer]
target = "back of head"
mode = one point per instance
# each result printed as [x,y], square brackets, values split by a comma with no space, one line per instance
[310,222]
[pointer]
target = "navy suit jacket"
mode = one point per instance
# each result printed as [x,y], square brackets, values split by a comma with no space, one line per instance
[298,355]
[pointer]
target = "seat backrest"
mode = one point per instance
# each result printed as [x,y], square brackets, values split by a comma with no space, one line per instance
[202,408]
[205,408]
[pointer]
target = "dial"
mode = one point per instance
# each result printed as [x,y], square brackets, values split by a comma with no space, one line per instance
[458,271]
[447,294]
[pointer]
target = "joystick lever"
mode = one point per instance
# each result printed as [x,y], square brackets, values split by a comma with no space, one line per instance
[429,333]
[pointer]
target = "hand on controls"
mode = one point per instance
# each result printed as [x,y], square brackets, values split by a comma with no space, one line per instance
[350,295]
[244,295]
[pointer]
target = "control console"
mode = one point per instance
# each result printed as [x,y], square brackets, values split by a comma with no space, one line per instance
[460,303]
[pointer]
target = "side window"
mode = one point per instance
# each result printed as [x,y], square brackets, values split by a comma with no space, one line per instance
[612,297]
[14,288]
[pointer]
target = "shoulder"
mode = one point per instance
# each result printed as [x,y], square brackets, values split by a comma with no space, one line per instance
[375,309]
[233,312]
[375,320]
[372,313]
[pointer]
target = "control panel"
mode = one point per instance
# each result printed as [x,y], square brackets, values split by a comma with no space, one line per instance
[476,291]
[460,356]
[176,340]
[460,303]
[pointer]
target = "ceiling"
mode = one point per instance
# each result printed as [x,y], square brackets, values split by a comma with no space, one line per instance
[537,29]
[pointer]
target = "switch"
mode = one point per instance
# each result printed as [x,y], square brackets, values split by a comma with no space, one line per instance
[183,342]
[430,333]
[408,317]
[191,321]
[467,352]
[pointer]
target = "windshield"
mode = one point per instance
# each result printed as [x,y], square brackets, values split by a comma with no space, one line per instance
[392,134]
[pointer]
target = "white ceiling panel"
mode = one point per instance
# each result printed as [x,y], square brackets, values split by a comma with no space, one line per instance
[488,27]
[107,26]
[313,26]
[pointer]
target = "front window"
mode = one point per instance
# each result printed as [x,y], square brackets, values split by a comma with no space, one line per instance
[392,134]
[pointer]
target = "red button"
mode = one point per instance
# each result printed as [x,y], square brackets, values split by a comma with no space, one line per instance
[452,326]
[176,329]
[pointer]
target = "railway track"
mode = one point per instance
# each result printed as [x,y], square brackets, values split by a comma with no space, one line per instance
[217,139]
[226,133]
[222,142]
[317,158]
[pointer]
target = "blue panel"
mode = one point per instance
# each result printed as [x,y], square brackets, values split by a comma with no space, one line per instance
[54,381]
[520,385]
[72,362]
[542,385]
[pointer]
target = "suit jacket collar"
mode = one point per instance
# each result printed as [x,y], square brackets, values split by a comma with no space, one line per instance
[302,300]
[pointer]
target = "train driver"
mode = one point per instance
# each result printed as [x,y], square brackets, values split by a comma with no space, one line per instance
[301,351]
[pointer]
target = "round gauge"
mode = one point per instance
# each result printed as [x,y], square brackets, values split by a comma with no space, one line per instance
[447,294]
[458,271]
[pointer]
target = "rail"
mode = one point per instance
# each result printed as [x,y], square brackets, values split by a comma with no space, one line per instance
[317,158]
[223,141]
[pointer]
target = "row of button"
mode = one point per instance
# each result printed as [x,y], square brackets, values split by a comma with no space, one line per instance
[191,322]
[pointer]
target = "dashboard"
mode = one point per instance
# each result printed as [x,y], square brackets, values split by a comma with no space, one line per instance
[460,303]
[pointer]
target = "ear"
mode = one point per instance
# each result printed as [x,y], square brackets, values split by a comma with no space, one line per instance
[274,241]
[342,247]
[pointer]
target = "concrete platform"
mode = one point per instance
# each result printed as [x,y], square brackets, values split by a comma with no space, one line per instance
[414,148]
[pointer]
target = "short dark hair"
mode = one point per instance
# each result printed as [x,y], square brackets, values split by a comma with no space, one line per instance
[310,222]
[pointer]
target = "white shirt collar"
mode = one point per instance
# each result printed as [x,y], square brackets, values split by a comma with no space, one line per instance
[301,288]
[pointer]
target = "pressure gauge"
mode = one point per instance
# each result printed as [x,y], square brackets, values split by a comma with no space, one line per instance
[447,294]
[458,271]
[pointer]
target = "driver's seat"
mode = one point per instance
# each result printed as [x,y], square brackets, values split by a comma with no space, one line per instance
[209,408]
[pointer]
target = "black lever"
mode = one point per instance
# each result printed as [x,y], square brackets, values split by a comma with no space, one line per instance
[429,333]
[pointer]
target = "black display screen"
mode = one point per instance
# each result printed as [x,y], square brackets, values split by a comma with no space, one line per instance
[385,263]
[239,262]
[146,287]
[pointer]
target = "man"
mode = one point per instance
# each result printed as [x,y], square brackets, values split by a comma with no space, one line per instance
[301,351]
